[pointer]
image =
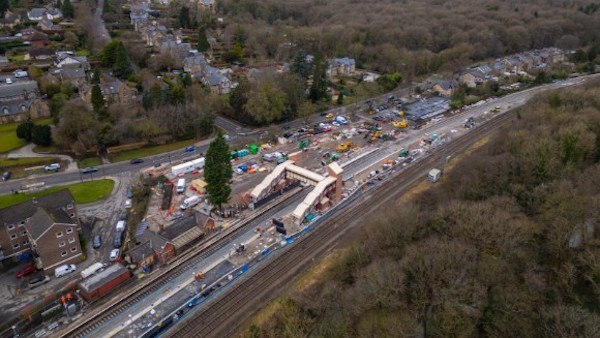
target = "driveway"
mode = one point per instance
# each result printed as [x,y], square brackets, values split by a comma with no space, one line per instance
[27,151]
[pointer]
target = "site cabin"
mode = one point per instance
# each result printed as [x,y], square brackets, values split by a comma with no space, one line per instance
[434,175]
[181,186]
[188,167]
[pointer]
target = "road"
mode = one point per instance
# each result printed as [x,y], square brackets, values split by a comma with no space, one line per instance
[100,32]
[512,100]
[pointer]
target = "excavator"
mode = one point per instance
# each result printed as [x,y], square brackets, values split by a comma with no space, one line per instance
[343,147]
[400,124]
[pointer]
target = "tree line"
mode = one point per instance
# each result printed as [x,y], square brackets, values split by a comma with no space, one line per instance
[506,245]
[410,36]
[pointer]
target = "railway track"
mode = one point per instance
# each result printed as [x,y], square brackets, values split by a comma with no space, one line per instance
[127,298]
[221,316]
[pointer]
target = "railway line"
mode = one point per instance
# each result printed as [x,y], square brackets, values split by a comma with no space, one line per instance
[221,316]
[128,297]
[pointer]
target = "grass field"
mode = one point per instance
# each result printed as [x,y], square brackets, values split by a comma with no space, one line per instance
[89,162]
[26,161]
[9,141]
[8,136]
[148,151]
[86,192]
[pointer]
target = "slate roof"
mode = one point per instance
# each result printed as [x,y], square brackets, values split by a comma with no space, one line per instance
[15,107]
[44,218]
[22,211]
[36,12]
[72,73]
[18,88]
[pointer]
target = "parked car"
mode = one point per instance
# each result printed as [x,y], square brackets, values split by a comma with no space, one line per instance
[190,149]
[64,269]
[97,241]
[37,281]
[114,254]
[88,170]
[6,176]
[136,161]
[129,192]
[128,203]
[26,271]
[52,167]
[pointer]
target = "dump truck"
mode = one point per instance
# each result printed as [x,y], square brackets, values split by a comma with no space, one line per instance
[343,147]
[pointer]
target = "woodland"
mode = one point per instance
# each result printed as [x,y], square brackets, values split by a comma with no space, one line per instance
[414,37]
[505,245]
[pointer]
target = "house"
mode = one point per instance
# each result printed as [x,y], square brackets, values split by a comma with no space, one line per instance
[114,90]
[217,82]
[343,66]
[37,14]
[39,54]
[54,239]
[36,39]
[194,63]
[27,33]
[73,74]
[10,19]
[206,5]
[65,60]
[20,101]
[472,78]
[15,241]
[443,88]
[47,25]
[178,51]
[138,15]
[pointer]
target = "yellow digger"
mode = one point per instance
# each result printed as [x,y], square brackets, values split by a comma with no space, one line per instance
[400,124]
[343,147]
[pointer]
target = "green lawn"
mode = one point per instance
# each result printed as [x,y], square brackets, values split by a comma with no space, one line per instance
[89,162]
[26,161]
[8,137]
[17,58]
[9,141]
[86,192]
[82,52]
[148,151]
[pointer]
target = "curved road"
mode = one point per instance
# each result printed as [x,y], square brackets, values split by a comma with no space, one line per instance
[511,101]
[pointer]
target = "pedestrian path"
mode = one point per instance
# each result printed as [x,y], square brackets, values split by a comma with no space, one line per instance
[27,151]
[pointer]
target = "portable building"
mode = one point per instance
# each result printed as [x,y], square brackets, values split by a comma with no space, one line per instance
[188,167]
[103,282]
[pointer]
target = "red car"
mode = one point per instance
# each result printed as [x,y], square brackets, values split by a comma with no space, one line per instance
[26,270]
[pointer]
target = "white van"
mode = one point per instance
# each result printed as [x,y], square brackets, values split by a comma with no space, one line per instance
[64,269]
[92,269]
[120,226]
[190,202]
[181,186]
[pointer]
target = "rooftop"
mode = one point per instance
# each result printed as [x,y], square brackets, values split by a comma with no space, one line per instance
[96,281]
[22,211]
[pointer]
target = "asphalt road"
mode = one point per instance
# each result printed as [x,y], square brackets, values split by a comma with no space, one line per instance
[232,129]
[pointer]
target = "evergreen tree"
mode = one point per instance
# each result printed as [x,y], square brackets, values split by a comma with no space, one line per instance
[217,171]
[340,98]
[4,6]
[203,44]
[67,9]
[41,135]
[24,130]
[184,17]
[318,90]
[98,100]
[96,76]
[59,4]
[122,67]
[300,66]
